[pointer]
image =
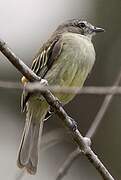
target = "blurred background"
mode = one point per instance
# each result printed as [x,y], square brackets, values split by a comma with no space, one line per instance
[25,25]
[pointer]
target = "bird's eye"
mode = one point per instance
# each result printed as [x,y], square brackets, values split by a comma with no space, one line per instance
[82,25]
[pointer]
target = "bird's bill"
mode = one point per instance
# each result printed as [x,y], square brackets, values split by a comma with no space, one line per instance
[98,29]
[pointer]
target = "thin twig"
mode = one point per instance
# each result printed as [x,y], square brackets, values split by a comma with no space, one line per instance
[73,156]
[75,90]
[36,86]
[10,85]
[67,121]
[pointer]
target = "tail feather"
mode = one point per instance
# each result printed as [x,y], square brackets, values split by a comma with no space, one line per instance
[28,152]
[33,157]
[24,145]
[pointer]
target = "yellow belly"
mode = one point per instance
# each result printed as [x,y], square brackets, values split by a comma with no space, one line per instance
[73,65]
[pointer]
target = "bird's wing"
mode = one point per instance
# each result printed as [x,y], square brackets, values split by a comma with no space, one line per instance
[43,62]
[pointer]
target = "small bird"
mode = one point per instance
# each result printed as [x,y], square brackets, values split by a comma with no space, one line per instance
[65,59]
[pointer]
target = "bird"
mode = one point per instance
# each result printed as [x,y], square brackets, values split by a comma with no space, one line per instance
[65,59]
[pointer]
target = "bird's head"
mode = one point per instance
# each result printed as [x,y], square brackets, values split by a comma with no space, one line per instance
[81,27]
[86,28]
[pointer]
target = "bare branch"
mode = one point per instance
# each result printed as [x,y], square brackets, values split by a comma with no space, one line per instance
[37,86]
[92,158]
[98,165]
[67,121]
[10,85]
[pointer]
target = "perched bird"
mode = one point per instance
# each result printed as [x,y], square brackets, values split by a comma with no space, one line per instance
[64,60]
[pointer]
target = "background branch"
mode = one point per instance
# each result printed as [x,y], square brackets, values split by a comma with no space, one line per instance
[37,86]
[63,170]
[69,124]
[107,101]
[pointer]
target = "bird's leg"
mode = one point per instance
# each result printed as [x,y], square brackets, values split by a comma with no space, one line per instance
[51,111]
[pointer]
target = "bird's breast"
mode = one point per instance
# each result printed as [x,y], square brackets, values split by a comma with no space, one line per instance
[77,57]
[79,47]
[73,64]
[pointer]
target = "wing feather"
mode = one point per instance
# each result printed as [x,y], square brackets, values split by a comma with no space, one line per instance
[42,63]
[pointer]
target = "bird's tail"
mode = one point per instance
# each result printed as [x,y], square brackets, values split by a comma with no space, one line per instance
[28,151]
